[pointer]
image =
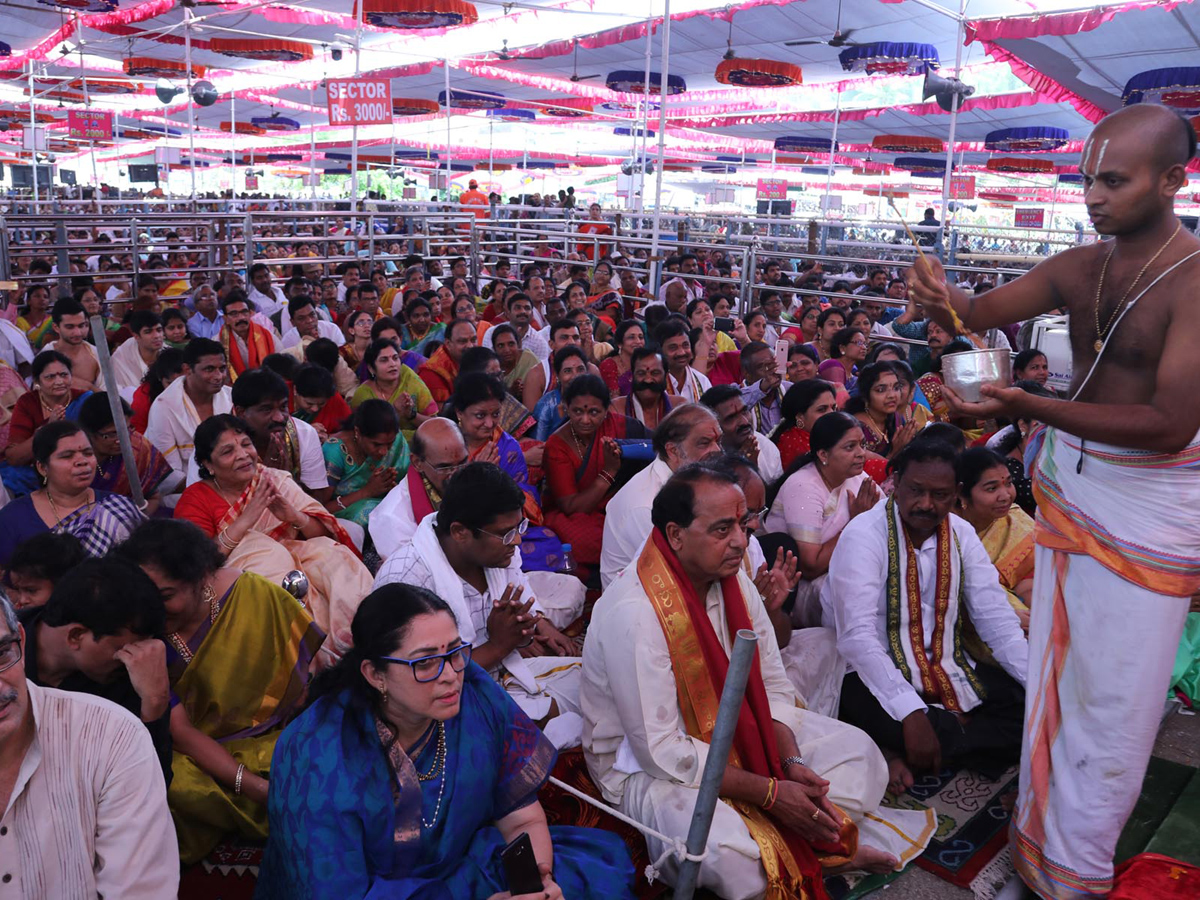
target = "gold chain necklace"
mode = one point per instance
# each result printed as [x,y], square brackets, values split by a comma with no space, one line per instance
[54,507]
[1101,334]
[176,641]
[579,445]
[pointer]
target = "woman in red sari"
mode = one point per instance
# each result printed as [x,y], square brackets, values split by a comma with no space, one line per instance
[803,404]
[616,370]
[582,460]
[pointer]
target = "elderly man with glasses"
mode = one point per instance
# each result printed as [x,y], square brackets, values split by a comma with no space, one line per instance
[468,554]
[437,452]
[81,817]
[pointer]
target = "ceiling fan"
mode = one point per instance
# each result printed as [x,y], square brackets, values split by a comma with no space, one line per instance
[575,76]
[840,38]
[504,53]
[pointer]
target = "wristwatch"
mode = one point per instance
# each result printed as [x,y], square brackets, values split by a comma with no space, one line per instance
[790,761]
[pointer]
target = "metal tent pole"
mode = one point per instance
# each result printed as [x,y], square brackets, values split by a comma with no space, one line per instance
[955,100]
[655,267]
[354,131]
[446,66]
[187,56]
[740,660]
[118,413]
[33,143]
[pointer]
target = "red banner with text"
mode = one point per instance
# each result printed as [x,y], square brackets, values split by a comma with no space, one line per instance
[1029,217]
[90,124]
[359,101]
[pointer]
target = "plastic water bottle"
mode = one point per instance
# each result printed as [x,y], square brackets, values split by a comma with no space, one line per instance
[568,566]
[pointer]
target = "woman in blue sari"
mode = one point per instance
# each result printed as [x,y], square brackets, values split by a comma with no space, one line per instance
[477,402]
[412,770]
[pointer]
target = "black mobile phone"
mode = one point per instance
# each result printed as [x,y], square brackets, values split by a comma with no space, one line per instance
[520,866]
[723,323]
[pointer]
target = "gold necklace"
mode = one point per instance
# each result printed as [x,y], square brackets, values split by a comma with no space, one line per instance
[439,758]
[579,445]
[58,517]
[176,641]
[1101,334]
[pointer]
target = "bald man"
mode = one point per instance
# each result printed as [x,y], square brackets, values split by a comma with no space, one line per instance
[1115,563]
[438,451]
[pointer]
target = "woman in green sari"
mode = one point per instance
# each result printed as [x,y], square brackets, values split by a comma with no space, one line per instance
[365,460]
[240,651]
[396,383]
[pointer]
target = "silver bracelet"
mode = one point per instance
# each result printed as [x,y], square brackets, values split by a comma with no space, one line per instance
[790,761]
[237,779]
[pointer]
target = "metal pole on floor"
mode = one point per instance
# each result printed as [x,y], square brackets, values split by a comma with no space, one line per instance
[740,660]
[118,413]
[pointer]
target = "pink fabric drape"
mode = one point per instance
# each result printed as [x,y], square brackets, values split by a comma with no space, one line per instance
[1016,27]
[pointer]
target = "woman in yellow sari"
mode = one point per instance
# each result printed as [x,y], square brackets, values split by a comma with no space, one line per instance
[240,651]
[265,523]
[985,499]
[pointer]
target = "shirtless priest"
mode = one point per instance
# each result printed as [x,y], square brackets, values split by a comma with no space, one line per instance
[1119,463]
[800,793]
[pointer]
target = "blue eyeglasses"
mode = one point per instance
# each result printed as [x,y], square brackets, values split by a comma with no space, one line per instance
[429,668]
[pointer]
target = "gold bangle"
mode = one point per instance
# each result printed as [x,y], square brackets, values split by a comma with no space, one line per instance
[224,540]
[772,787]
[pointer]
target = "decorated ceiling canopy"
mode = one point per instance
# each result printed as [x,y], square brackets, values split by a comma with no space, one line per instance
[284,157]
[275,122]
[1070,178]
[633,81]
[411,106]
[418,13]
[512,115]
[792,143]
[473,100]
[5,49]
[878,190]
[272,50]
[1178,88]
[1026,140]
[1017,164]
[921,165]
[90,6]
[890,58]
[998,196]
[566,112]
[240,127]
[628,131]
[150,67]
[758,73]
[907,143]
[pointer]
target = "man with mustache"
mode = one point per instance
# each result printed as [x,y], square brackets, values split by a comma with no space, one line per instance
[737,431]
[649,401]
[82,792]
[912,687]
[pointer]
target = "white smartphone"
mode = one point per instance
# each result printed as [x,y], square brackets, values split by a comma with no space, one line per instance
[781,355]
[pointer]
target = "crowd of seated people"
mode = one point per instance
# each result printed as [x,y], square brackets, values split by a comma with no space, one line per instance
[393,539]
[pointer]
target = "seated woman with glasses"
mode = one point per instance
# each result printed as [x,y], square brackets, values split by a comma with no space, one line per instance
[239,653]
[154,472]
[265,523]
[415,774]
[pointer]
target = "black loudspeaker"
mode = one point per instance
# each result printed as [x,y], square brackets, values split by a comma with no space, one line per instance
[144,173]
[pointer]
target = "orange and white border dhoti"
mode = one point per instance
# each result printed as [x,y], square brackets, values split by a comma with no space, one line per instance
[1118,556]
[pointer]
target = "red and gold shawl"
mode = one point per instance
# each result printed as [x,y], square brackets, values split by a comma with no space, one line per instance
[700,664]
[259,345]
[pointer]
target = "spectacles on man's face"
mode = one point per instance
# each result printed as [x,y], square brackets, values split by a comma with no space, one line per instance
[755,517]
[430,668]
[10,652]
[510,537]
[447,469]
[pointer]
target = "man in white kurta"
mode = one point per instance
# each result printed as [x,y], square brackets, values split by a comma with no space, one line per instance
[468,554]
[926,703]
[688,434]
[636,743]
[85,807]
[174,414]
[129,361]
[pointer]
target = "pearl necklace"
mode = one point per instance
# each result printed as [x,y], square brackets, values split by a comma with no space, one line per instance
[437,770]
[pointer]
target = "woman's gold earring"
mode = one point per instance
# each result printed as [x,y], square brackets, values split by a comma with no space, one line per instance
[383,695]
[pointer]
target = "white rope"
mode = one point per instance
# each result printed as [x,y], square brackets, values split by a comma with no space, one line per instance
[674,846]
[1128,307]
